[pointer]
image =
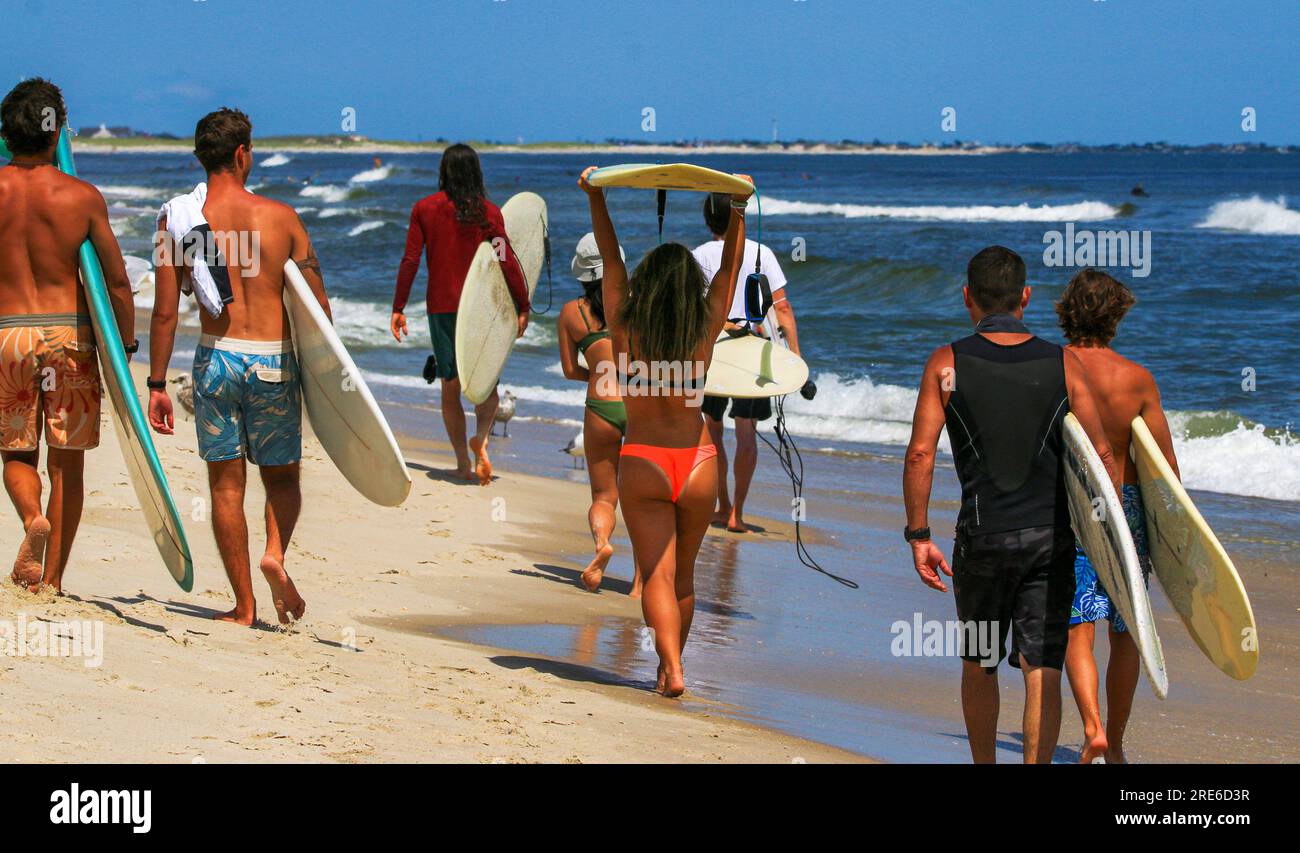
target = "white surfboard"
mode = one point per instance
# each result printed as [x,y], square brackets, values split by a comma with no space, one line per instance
[1098,519]
[486,320]
[339,405]
[144,468]
[751,367]
[1197,575]
[527,226]
[669,176]
[486,326]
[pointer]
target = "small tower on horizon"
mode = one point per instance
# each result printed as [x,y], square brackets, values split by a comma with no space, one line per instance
[774,129]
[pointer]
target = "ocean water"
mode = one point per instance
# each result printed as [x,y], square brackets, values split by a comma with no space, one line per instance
[882,243]
[886,240]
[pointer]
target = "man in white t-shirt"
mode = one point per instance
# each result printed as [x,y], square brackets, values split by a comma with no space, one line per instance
[746,413]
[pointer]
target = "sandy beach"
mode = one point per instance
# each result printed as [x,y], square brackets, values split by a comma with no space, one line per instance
[354,681]
[379,670]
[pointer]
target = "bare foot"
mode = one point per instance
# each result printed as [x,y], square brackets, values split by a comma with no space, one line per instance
[736,524]
[636,588]
[595,571]
[466,473]
[483,468]
[289,605]
[27,566]
[722,516]
[671,684]
[1093,748]
[1116,756]
[659,679]
[234,616]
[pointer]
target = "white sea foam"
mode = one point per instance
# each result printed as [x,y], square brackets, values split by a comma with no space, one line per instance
[537,335]
[369,176]
[274,160]
[575,396]
[855,410]
[1253,215]
[1243,461]
[366,323]
[1083,211]
[114,191]
[330,212]
[328,193]
[366,226]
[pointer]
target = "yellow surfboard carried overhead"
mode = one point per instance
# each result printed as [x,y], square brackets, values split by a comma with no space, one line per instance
[1195,572]
[669,176]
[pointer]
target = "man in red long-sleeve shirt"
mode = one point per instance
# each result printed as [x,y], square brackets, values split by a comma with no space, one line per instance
[448,228]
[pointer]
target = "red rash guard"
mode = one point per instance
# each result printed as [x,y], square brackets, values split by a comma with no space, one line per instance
[449,247]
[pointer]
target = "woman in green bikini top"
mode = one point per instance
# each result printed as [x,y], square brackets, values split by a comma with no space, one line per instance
[581,330]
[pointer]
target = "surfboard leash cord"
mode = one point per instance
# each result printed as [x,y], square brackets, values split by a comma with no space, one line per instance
[550,284]
[792,463]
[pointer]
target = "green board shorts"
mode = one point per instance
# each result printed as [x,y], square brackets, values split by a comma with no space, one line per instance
[442,329]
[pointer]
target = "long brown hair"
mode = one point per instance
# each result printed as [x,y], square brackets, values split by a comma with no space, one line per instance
[665,312]
[461,177]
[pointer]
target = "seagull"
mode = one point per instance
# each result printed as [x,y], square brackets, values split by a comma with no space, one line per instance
[575,449]
[185,391]
[505,411]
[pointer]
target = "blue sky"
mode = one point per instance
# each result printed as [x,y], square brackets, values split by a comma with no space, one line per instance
[1091,71]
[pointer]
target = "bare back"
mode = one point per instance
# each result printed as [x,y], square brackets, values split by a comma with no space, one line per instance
[1124,390]
[256,236]
[45,216]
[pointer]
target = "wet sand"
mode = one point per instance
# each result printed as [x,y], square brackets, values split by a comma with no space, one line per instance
[344,684]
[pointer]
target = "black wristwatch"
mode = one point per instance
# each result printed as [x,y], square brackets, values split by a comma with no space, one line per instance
[920,534]
[156,384]
[133,347]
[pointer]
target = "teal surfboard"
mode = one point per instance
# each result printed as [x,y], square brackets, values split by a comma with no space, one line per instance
[138,450]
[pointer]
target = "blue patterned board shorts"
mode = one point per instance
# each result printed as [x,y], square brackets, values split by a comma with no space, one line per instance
[1091,601]
[248,401]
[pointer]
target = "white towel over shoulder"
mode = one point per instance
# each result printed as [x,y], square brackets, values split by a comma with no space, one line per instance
[184,213]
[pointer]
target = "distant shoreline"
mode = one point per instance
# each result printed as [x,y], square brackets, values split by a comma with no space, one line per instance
[312,145]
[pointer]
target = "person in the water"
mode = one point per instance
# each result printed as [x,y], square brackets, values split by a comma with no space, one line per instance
[1089,314]
[1002,393]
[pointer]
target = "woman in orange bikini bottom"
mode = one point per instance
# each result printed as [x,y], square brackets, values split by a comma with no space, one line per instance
[677,463]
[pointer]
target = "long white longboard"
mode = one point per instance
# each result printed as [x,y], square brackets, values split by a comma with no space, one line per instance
[339,405]
[1098,519]
[486,318]
[141,457]
[1197,575]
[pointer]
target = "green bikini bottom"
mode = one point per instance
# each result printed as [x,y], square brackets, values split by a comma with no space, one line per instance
[612,412]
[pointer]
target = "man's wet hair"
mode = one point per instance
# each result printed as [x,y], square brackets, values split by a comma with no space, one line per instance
[996,278]
[31,116]
[1092,306]
[717,212]
[218,135]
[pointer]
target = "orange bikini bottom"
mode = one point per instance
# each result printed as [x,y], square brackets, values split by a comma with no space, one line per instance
[677,463]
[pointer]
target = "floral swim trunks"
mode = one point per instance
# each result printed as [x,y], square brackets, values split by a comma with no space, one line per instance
[49,382]
[247,401]
[1091,601]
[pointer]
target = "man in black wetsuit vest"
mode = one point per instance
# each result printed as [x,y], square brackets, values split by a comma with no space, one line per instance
[1003,393]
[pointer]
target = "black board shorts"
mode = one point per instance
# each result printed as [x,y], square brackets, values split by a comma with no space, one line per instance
[759,409]
[1019,582]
